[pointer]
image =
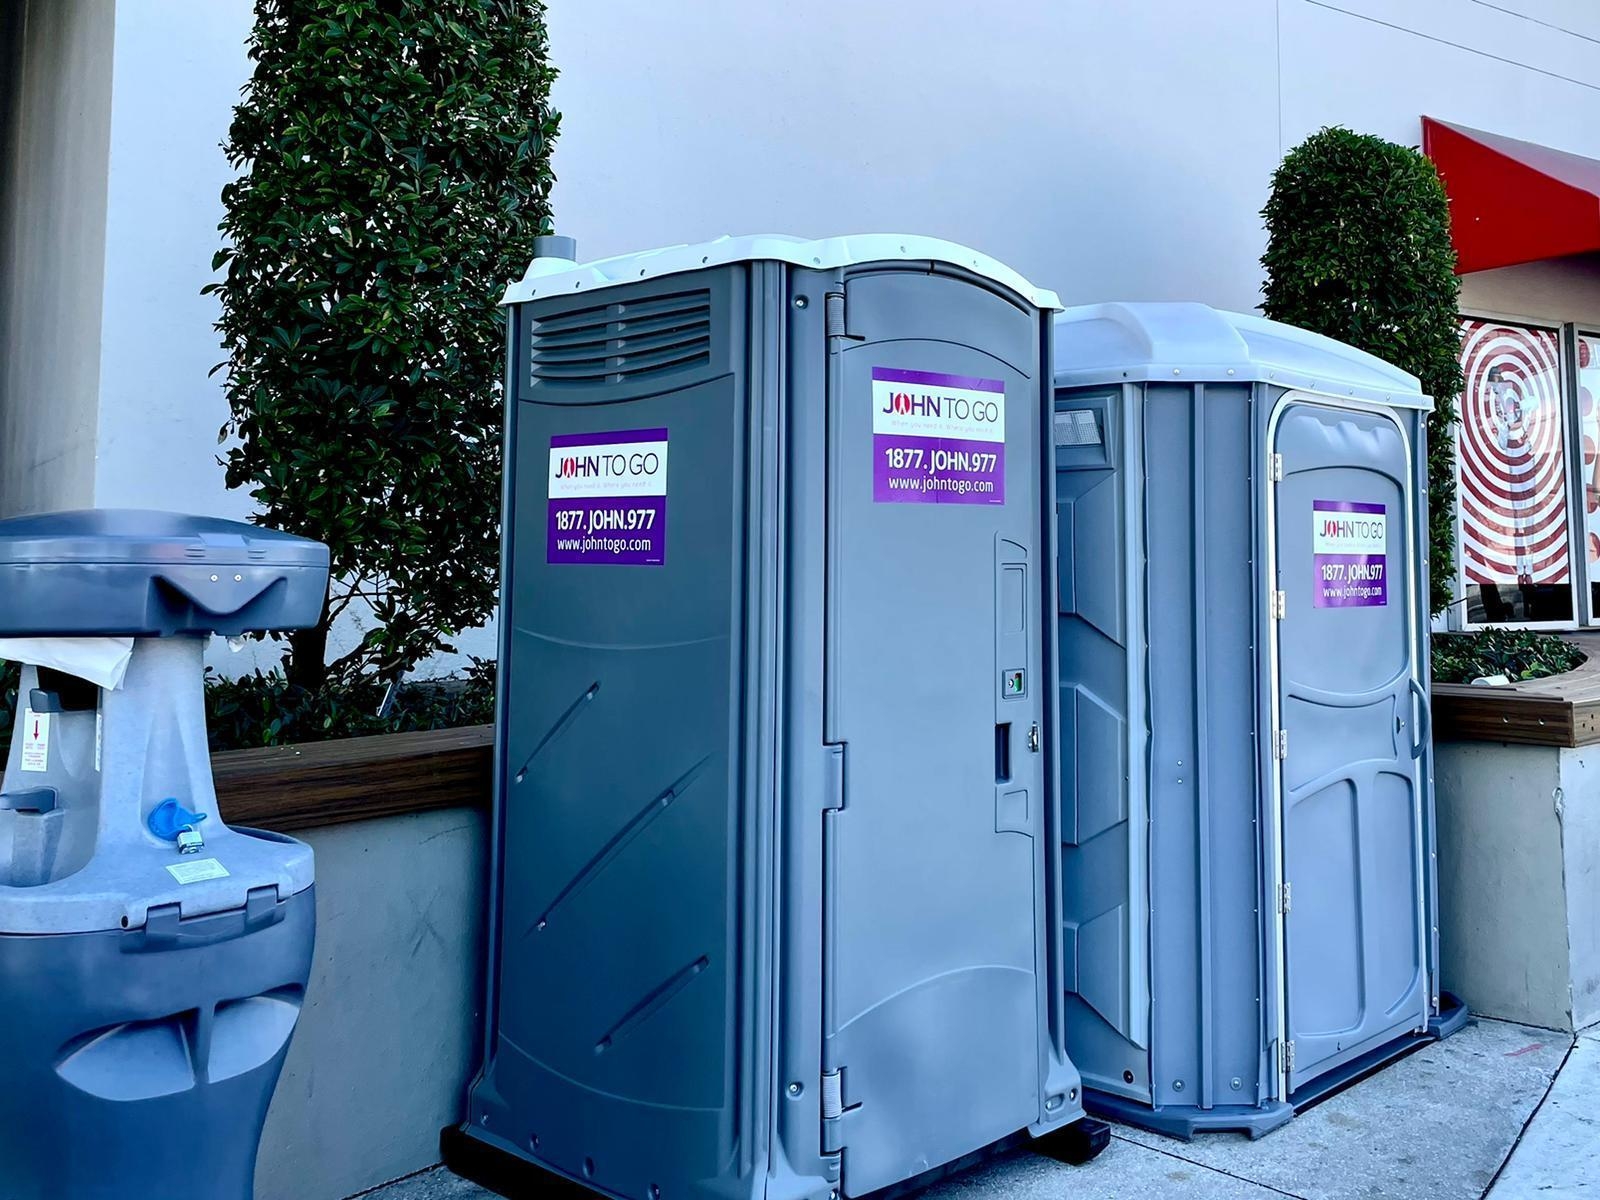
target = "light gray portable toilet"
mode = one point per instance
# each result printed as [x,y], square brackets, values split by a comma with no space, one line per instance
[150,985]
[1247,787]
[775,897]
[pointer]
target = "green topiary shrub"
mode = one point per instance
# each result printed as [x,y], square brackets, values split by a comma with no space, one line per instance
[394,159]
[1358,248]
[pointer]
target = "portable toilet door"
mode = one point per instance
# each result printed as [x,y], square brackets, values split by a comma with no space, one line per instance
[1350,711]
[1247,799]
[933,648]
[772,909]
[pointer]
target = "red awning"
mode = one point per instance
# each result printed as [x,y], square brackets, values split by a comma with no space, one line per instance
[1512,201]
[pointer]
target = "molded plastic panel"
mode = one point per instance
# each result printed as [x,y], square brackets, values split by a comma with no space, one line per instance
[1104,909]
[617,1050]
[1205,883]
[142,1070]
[1180,1024]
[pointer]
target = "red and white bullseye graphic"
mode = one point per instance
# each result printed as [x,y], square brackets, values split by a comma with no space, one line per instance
[1513,477]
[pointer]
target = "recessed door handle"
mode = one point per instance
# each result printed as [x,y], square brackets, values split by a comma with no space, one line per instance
[1424,708]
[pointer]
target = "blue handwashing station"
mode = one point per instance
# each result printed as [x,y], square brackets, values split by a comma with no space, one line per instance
[153,960]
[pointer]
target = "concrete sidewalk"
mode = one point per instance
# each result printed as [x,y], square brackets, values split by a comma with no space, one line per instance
[1438,1125]
[1559,1154]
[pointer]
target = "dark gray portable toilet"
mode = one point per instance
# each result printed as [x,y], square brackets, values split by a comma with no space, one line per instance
[1247,790]
[151,984]
[773,912]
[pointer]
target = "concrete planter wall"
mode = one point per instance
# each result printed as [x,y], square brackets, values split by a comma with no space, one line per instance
[392,1021]
[1519,880]
[391,1025]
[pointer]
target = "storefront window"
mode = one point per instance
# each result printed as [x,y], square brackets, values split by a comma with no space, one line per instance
[1515,547]
[1589,429]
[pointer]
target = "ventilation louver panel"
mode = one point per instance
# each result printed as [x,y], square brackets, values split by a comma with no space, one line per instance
[634,339]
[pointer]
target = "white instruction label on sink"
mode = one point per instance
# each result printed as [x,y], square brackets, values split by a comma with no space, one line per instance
[35,740]
[198,872]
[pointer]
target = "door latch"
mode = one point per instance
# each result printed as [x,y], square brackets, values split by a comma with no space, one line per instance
[1033,737]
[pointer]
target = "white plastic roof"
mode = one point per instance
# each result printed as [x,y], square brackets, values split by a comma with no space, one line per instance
[1141,343]
[559,276]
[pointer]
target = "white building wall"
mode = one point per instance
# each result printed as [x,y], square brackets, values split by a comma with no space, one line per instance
[1110,151]
[179,67]
[1105,150]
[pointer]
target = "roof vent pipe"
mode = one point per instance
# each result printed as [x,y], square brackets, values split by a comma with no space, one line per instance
[552,253]
[550,245]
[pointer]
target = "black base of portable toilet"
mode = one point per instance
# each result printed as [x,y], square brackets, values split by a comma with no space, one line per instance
[1186,1121]
[1079,1142]
[1247,795]
[775,897]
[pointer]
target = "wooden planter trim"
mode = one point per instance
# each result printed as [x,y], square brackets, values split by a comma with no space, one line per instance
[328,783]
[1559,710]
[289,788]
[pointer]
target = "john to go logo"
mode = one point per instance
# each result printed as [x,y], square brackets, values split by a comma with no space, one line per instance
[957,407]
[603,466]
[1345,528]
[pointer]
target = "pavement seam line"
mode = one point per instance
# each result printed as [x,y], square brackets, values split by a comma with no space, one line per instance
[1208,1167]
[1537,1109]
[378,1187]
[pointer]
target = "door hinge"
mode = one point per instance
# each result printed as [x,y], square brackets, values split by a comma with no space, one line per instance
[1280,744]
[1284,898]
[1276,468]
[832,1095]
[1280,605]
[836,324]
[834,1111]
[1033,737]
[1288,1058]
[833,795]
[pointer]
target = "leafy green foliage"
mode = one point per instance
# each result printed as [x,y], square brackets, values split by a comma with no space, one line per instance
[395,172]
[1358,248]
[1514,653]
[10,682]
[265,709]
[268,710]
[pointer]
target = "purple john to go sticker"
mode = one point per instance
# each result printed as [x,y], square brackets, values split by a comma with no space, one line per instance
[1349,548]
[608,498]
[937,439]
